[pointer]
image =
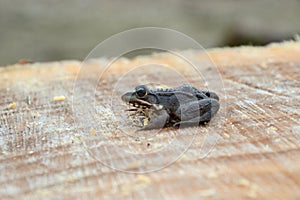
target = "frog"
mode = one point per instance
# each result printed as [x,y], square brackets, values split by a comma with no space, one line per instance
[164,107]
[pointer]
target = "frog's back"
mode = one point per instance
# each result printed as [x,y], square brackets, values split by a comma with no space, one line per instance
[201,94]
[186,89]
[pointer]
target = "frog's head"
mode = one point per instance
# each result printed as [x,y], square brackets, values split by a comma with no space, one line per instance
[141,97]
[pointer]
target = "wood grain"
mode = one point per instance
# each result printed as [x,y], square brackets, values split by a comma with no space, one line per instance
[54,145]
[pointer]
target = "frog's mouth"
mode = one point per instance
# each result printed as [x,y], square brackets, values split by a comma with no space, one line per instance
[131,100]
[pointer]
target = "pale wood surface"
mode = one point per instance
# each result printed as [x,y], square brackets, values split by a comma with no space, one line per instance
[256,155]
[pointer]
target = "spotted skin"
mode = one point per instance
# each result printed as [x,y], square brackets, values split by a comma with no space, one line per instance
[184,105]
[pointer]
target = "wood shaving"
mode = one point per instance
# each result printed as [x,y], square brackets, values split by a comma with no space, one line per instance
[207,192]
[252,193]
[145,121]
[12,105]
[93,132]
[143,178]
[59,98]
[134,165]
[244,182]
[212,175]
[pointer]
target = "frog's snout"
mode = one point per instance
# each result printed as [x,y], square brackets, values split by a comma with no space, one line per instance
[127,97]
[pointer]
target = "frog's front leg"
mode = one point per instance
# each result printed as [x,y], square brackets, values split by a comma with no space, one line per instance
[158,120]
[196,112]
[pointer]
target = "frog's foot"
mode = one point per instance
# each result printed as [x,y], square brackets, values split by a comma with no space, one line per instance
[197,112]
[157,122]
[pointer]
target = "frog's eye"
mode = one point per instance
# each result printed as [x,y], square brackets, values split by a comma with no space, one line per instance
[141,91]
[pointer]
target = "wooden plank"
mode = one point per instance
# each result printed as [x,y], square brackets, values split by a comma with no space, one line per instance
[55,145]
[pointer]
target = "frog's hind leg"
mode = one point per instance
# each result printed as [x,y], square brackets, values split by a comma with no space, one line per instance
[196,112]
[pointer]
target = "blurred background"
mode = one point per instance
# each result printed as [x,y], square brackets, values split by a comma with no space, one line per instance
[69,29]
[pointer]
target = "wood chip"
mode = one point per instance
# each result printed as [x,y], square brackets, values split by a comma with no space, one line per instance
[252,193]
[145,121]
[212,175]
[244,182]
[93,132]
[12,105]
[59,98]
[207,192]
[143,178]
[134,165]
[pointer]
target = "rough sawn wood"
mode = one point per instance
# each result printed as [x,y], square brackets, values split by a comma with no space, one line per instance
[250,150]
